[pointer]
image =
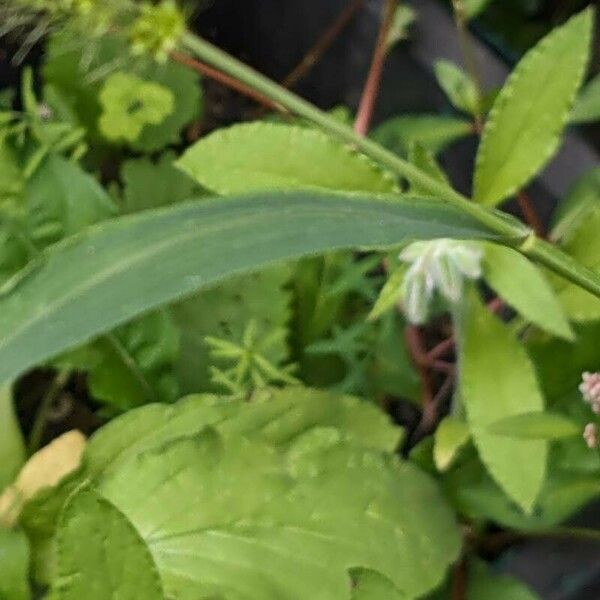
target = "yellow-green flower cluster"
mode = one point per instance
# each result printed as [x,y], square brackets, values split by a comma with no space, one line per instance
[157,29]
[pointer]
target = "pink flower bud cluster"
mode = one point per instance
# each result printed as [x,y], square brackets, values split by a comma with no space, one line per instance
[590,435]
[590,389]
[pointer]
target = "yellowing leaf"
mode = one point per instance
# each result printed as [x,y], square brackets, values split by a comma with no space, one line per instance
[45,469]
[528,117]
[498,380]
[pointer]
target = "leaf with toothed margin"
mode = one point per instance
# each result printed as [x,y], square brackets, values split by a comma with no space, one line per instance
[497,381]
[525,125]
[258,156]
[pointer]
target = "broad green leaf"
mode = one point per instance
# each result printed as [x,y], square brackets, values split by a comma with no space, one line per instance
[277,417]
[525,125]
[498,380]
[101,554]
[583,244]
[587,105]
[263,512]
[433,132]
[536,426]
[525,288]
[458,86]
[12,447]
[14,565]
[149,184]
[390,294]
[132,365]
[450,437]
[258,156]
[93,282]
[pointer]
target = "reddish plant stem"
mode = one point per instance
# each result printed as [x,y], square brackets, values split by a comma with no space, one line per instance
[416,346]
[530,214]
[331,34]
[371,90]
[459,581]
[225,80]
[431,412]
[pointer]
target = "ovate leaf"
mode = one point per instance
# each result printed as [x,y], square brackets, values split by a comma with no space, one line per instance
[525,288]
[108,275]
[587,106]
[498,380]
[536,426]
[458,86]
[257,156]
[14,565]
[101,555]
[390,294]
[525,125]
[264,509]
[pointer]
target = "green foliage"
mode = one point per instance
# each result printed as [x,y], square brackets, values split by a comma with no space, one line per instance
[129,266]
[587,106]
[536,426]
[14,565]
[498,381]
[12,447]
[223,313]
[269,491]
[273,489]
[433,132]
[129,104]
[525,288]
[525,124]
[132,365]
[450,437]
[458,86]
[257,156]
[151,184]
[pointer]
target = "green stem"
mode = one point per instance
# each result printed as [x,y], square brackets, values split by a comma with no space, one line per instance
[235,68]
[512,232]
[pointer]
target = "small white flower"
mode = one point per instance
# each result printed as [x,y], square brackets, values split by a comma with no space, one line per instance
[590,389]
[440,265]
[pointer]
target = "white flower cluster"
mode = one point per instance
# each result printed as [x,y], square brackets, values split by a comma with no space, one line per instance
[590,435]
[590,389]
[438,265]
